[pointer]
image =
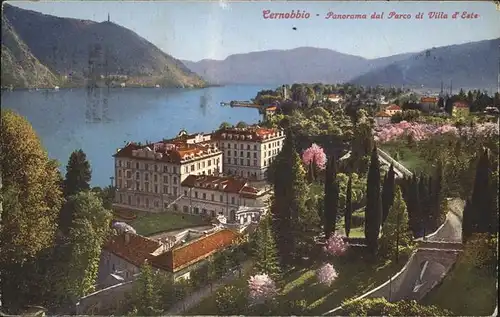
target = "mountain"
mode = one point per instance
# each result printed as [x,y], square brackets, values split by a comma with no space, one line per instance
[470,65]
[303,64]
[66,45]
[19,67]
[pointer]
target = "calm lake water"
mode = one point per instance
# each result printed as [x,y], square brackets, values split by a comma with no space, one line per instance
[101,122]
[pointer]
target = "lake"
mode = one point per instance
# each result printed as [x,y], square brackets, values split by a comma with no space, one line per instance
[102,121]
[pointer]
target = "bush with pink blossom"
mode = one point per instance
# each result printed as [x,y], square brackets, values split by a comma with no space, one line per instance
[326,274]
[335,245]
[261,288]
[316,155]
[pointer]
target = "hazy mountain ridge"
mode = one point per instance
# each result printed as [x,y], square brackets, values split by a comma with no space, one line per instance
[472,64]
[303,64]
[64,46]
[19,67]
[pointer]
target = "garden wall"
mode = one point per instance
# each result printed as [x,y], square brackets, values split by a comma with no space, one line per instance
[105,300]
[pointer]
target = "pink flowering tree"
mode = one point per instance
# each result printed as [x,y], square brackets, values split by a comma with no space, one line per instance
[326,274]
[335,245]
[261,288]
[314,158]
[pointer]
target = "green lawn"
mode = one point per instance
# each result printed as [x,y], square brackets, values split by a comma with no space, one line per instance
[355,278]
[466,291]
[151,223]
[408,157]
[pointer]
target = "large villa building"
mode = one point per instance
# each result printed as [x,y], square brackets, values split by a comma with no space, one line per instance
[201,173]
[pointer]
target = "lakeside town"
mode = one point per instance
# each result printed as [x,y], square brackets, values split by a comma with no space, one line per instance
[251,166]
[190,220]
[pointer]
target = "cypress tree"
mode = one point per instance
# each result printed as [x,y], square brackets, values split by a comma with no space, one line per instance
[331,198]
[388,192]
[437,195]
[266,256]
[78,174]
[423,199]
[385,198]
[348,207]
[482,197]
[373,210]
[413,203]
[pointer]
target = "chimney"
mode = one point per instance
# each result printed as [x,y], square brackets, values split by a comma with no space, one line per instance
[127,237]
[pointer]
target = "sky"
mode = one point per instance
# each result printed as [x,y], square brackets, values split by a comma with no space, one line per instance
[217,29]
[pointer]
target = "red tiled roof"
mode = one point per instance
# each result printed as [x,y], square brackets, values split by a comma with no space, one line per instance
[224,184]
[136,251]
[382,114]
[195,251]
[272,108]
[460,104]
[252,133]
[429,99]
[393,107]
[172,152]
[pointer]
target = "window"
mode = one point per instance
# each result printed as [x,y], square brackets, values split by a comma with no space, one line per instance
[235,161]
[175,180]
[254,162]
[221,198]
[192,168]
[228,153]
[235,153]
[203,164]
[156,177]
[119,163]
[165,179]
[204,211]
[156,189]
[165,169]
[137,186]
[232,200]
[241,146]
[248,162]
[204,196]
[185,169]
[255,147]
[176,207]
[156,168]
[212,197]
[241,161]
[254,154]
[165,189]
[146,176]
[119,173]
[248,147]
[195,194]
[209,162]
[248,154]
[137,165]
[241,153]
[174,170]
[137,175]
[128,164]
[229,145]
[198,165]
[185,193]
[196,210]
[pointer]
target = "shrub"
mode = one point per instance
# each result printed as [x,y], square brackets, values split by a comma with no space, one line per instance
[381,307]
[480,251]
[230,301]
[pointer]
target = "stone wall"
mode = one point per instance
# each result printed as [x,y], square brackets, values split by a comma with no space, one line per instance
[105,301]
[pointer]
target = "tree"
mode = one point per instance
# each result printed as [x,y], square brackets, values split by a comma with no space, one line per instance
[326,274]
[348,207]
[146,294]
[437,195]
[388,192]
[31,201]
[482,197]
[225,125]
[395,231]
[331,198]
[373,210]
[290,193]
[230,301]
[241,125]
[81,250]
[266,257]
[261,288]
[78,174]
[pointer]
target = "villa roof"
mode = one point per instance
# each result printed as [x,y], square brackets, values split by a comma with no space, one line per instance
[137,250]
[251,133]
[460,104]
[195,251]
[382,114]
[393,107]
[429,99]
[272,108]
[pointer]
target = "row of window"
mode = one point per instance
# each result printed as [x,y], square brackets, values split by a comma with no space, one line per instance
[212,197]
[147,166]
[201,165]
[248,148]
[241,154]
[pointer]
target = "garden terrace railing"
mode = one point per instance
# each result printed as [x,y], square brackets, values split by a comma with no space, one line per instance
[396,164]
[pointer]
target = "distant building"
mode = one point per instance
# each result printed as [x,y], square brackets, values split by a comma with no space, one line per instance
[334,98]
[460,109]
[393,109]
[427,103]
[382,118]
[270,111]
